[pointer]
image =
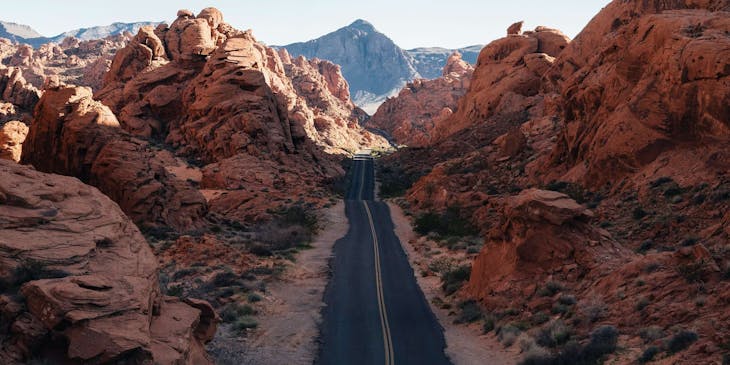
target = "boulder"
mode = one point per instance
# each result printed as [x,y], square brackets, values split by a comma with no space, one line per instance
[12,135]
[87,277]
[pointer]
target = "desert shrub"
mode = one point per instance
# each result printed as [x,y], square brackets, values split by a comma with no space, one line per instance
[29,270]
[447,224]
[660,181]
[642,303]
[242,324]
[183,273]
[549,289]
[175,291]
[225,278]
[260,250]
[508,334]
[681,341]
[567,299]
[553,334]
[254,298]
[690,241]
[559,308]
[539,318]
[234,311]
[489,323]
[649,354]
[593,310]
[394,181]
[650,334]
[603,341]
[453,279]
[692,272]
[726,359]
[639,213]
[645,246]
[292,226]
[469,312]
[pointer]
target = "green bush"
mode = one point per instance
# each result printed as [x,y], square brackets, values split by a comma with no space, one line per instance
[553,334]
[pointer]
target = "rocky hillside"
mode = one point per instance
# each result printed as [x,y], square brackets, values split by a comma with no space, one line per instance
[595,172]
[24,34]
[411,117]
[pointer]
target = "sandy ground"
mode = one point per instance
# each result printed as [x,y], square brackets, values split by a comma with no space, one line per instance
[289,327]
[465,344]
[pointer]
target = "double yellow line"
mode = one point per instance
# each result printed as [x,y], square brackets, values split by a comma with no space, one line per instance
[384,324]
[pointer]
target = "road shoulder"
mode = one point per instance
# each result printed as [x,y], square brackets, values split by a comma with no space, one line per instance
[465,344]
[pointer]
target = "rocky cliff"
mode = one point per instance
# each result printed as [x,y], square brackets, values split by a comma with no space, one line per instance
[411,117]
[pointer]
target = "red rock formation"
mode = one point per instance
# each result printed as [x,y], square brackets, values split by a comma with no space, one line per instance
[218,96]
[15,90]
[504,78]
[12,135]
[73,61]
[515,29]
[542,233]
[87,278]
[660,83]
[72,134]
[411,117]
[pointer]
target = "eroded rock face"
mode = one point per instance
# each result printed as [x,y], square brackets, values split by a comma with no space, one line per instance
[86,278]
[502,71]
[12,135]
[411,117]
[72,134]
[542,232]
[668,88]
[15,89]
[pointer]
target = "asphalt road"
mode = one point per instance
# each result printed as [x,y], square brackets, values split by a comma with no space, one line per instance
[375,312]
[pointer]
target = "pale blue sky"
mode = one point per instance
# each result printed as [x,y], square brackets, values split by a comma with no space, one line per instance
[446,23]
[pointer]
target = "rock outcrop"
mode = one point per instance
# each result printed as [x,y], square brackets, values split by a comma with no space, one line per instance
[12,135]
[72,61]
[14,89]
[668,89]
[71,134]
[507,78]
[79,282]
[542,233]
[411,117]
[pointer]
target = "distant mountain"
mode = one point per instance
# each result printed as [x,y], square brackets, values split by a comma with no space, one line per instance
[430,61]
[25,34]
[374,66]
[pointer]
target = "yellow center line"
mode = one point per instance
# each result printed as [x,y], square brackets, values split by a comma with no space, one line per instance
[384,323]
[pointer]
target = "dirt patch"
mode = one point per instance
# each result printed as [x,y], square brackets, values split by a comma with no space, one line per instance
[288,326]
[466,345]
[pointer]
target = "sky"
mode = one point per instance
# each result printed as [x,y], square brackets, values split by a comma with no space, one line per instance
[411,24]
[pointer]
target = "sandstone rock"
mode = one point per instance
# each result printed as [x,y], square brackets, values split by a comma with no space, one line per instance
[12,135]
[502,69]
[669,88]
[540,232]
[411,117]
[74,135]
[515,29]
[90,279]
[14,89]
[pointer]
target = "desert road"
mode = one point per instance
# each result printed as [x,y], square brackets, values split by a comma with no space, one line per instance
[375,312]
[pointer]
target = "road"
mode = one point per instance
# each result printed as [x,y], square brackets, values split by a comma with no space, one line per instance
[375,312]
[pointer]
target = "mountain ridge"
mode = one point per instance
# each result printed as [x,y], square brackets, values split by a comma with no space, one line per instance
[22,33]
